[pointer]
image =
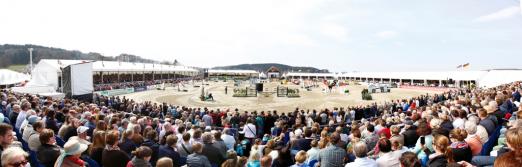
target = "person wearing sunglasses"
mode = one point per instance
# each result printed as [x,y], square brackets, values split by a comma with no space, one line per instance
[15,157]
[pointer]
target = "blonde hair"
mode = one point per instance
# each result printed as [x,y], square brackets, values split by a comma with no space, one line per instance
[300,157]
[164,162]
[443,144]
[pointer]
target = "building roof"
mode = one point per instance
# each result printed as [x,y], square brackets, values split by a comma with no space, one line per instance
[272,69]
[232,72]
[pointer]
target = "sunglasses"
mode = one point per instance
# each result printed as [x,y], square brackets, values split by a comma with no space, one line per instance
[22,163]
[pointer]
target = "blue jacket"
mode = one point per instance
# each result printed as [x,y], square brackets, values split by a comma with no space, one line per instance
[166,151]
[128,146]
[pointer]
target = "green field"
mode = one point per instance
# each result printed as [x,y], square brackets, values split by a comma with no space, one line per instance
[17,68]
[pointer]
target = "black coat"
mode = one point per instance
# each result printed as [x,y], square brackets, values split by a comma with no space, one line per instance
[114,158]
[166,151]
[155,149]
[438,161]
[213,154]
[47,154]
[462,154]
[410,136]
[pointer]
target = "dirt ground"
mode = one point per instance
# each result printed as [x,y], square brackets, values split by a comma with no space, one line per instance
[317,98]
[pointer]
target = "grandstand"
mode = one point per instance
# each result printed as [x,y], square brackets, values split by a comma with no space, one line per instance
[484,78]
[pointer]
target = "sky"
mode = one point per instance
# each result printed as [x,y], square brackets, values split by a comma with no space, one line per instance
[339,35]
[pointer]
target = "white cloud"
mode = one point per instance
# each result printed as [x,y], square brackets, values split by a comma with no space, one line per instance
[334,31]
[499,15]
[387,34]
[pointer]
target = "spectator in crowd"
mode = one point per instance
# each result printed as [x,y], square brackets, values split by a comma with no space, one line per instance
[14,157]
[219,143]
[82,136]
[127,145]
[97,146]
[6,137]
[395,134]
[266,161]
[142,156]
[197,159]
[388,158]
[164,162]
[332,155]
[70,157]
[460,148]
[425,140]
[444,129]
[112,155]
[185,146]
[213,153]
[151,143]
[473,139]
[514,142]
[253,160]
[409,159]
[300,159]
[410,134]
[29,130]
[313,153]
[48,152]
[228,139]
[34,138]
[443,154]
[360,150]
[169,150]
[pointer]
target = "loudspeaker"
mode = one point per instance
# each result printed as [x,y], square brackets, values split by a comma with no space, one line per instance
[259,87]
[205,73]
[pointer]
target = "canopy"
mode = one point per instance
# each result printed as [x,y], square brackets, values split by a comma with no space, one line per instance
[8,77]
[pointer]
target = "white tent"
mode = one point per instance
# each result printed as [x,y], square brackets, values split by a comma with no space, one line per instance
[48,71]
[8,77]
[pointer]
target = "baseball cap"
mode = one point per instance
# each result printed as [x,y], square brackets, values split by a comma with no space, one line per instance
[82,129]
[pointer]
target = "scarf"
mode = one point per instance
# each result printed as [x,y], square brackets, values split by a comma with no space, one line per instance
[76,160]
[110,148]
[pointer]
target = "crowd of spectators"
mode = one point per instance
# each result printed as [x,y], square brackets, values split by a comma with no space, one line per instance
[132,84]
[479,127]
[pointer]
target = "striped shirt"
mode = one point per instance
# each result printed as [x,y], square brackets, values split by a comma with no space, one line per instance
[332,156]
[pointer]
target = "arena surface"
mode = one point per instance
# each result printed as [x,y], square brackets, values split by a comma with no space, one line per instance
[315,99]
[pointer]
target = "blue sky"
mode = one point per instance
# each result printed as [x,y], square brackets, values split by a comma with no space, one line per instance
[339,35]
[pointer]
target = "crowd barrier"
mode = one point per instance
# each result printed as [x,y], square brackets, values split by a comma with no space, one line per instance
[115,92]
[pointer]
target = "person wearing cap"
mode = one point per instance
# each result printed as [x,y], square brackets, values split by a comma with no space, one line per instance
[29,128]
[3,119]
[410,134]
[73,149]
[82,135]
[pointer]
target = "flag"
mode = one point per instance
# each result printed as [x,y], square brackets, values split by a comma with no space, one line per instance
[465,65]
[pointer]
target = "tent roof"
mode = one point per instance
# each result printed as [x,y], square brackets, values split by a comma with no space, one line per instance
[114,66]
[234,71]
[8,77]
